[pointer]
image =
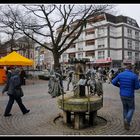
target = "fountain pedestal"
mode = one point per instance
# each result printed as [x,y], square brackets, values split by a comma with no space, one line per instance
[79,111]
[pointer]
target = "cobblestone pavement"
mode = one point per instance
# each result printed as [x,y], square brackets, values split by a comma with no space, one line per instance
[39,121]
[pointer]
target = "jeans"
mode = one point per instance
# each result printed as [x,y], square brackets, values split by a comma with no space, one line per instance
[128,107]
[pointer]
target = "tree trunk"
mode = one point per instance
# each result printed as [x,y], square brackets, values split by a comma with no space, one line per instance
[56,60]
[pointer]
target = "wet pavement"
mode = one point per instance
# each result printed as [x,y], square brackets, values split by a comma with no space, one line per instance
[39,121]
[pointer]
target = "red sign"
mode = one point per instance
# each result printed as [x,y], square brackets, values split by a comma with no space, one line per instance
[106,60]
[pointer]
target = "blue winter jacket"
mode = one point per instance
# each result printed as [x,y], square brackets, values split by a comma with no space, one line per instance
[128,82]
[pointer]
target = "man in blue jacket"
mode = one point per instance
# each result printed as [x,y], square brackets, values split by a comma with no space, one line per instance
[128,82]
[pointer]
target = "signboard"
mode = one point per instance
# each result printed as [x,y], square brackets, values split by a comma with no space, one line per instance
[106,60]
[130,61]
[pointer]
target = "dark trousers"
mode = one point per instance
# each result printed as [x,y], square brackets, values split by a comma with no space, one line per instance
[82,90]
[23,82]
[11,102]
[70,79]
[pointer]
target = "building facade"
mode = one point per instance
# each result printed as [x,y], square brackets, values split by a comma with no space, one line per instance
[107,40]
[43,58]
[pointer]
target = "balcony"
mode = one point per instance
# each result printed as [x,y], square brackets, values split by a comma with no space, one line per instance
[89,47]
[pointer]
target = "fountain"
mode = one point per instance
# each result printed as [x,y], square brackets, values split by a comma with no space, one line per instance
[79,107]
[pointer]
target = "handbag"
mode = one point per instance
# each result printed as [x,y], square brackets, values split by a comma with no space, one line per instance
[19,92]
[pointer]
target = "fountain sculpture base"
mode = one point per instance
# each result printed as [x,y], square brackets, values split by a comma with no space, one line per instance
[79,107]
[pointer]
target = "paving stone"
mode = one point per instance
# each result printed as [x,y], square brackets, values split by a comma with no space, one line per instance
[39,121]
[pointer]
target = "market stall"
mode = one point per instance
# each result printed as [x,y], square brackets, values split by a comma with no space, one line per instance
[14,59]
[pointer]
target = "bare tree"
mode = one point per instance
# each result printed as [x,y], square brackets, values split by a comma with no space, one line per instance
[7,27]
[59,24]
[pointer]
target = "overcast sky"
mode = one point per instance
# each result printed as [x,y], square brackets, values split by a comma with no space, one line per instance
[130,10]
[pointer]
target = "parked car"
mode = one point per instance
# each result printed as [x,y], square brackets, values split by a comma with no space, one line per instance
[44,75]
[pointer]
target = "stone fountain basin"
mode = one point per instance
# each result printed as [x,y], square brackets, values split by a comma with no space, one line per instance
[80,104]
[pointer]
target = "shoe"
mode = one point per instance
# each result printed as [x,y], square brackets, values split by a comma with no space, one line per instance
[53,96]
[26,112]
[7,115]
[126,125]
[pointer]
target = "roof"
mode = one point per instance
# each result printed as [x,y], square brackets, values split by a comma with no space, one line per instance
[121,19]
[15,58]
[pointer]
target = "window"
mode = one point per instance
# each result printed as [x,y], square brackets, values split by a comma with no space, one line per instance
[64,57]
[101,31]
[131,21]
[73,46]
[80,49]
[90,31]
[71,55]
[101,54]
[136,35]
[136,45]
[136,56]
[129,43]
[90,54]
[129,55]
[72,36]
[101,46]
[101,43]
[90,42]
[129,32]
[80,55]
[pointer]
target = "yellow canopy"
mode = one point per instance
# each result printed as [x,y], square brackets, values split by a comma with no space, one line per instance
[15,58]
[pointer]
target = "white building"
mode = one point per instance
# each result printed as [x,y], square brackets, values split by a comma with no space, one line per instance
[108,40]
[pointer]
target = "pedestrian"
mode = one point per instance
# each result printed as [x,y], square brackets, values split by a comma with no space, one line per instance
[70,74]
[51,79]
[128,82]
[9,71]
[13,88]
[110,75]
[23,76]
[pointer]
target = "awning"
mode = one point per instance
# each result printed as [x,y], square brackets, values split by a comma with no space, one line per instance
[15,58]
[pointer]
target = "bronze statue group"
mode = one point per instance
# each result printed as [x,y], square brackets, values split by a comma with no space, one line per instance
[87,79]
